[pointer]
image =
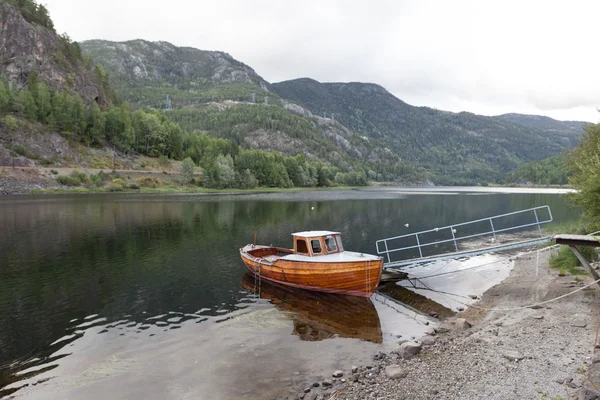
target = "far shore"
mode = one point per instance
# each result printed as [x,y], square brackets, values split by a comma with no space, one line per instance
[42,180]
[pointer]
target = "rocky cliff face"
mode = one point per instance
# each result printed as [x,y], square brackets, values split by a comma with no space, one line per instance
[26,48]
[161,62]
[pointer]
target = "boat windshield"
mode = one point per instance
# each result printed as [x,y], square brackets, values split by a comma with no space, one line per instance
[339,242]
[301,246]
[316,246]
[330,244]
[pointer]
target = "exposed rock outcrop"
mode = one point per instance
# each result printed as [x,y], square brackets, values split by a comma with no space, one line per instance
[27,47]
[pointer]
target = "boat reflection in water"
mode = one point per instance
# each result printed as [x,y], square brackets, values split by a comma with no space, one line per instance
[319,315]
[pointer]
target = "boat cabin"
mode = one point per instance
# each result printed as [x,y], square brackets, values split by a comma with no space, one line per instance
[317,243]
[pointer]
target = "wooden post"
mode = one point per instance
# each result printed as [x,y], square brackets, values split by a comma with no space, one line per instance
[584,262]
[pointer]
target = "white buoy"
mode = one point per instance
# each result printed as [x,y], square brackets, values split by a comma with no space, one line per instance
[406,225]
[312,208]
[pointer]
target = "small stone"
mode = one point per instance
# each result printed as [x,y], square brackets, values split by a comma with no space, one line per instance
[338,374]
[474,297]
[460,309]
[327,383]
[354,369]
[428,340]
[430,331]
[537,316]
[394,371]
[442,329]
[578,324]
[462,324]
[307,390]
[409,349]
[316,384]
[433,314]
[513,355]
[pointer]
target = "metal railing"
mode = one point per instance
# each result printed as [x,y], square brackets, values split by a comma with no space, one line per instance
[384,248]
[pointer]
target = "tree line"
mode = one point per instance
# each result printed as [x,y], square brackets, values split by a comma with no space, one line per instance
[146,131]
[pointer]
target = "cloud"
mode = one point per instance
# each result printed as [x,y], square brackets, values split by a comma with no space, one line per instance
[490,56]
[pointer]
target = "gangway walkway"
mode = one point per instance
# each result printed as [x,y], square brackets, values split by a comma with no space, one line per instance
[453,241]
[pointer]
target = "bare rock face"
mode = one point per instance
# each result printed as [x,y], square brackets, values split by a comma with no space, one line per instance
[26,47]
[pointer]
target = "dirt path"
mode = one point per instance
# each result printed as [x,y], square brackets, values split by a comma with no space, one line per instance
[542,353]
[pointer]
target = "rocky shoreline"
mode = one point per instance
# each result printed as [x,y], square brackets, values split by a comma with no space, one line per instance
[543,352]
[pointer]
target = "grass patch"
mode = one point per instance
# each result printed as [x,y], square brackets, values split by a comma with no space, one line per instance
[566,262]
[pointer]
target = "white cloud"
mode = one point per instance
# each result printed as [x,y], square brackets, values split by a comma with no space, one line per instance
[487,57]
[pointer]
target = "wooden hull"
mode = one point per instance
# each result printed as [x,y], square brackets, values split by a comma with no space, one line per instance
[318,315]
[358,278]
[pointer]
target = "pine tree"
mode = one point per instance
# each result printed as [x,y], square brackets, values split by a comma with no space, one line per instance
[43,102]
[94,133]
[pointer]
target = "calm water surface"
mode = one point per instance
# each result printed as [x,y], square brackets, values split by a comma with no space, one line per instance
[145,296]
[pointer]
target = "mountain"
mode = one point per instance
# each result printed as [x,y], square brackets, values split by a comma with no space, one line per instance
[455,147]
[569,129]
[145,73]
[31,49]
[213,93]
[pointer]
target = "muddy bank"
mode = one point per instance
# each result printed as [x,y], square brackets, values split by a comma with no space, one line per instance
[541,353]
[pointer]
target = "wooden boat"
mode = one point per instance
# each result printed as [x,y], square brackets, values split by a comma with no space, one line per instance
[317,262]
[317,315]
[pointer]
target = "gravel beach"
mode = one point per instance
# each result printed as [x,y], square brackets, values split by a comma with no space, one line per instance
[544,352]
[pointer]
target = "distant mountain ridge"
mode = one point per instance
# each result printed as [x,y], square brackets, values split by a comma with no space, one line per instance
[461,145]
[569,128]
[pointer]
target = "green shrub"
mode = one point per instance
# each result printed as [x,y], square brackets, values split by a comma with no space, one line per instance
[20,149]
[134,186]
[148,181]
[100,178]
[54,172]
[114,187]
[68,180]
[163,161]
[118,181]
[566,261]
[82,177]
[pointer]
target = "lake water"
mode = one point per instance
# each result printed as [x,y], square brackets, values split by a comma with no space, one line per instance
[145,296]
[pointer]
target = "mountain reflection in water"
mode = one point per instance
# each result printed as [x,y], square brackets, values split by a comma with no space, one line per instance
[319,316]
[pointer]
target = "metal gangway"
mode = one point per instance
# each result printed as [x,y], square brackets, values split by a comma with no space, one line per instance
[466,239]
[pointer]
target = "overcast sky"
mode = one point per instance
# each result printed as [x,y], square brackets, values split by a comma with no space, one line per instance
[488,57]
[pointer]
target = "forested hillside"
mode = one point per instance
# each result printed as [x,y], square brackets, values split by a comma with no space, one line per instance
[211,93]
[455,147]
[65,93]
[550,171]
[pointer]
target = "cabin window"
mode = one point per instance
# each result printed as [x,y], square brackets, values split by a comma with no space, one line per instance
[301,246]
[330,244]
[316,246]
[339,242]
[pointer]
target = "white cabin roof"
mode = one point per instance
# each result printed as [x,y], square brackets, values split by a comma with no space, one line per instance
[314,233]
